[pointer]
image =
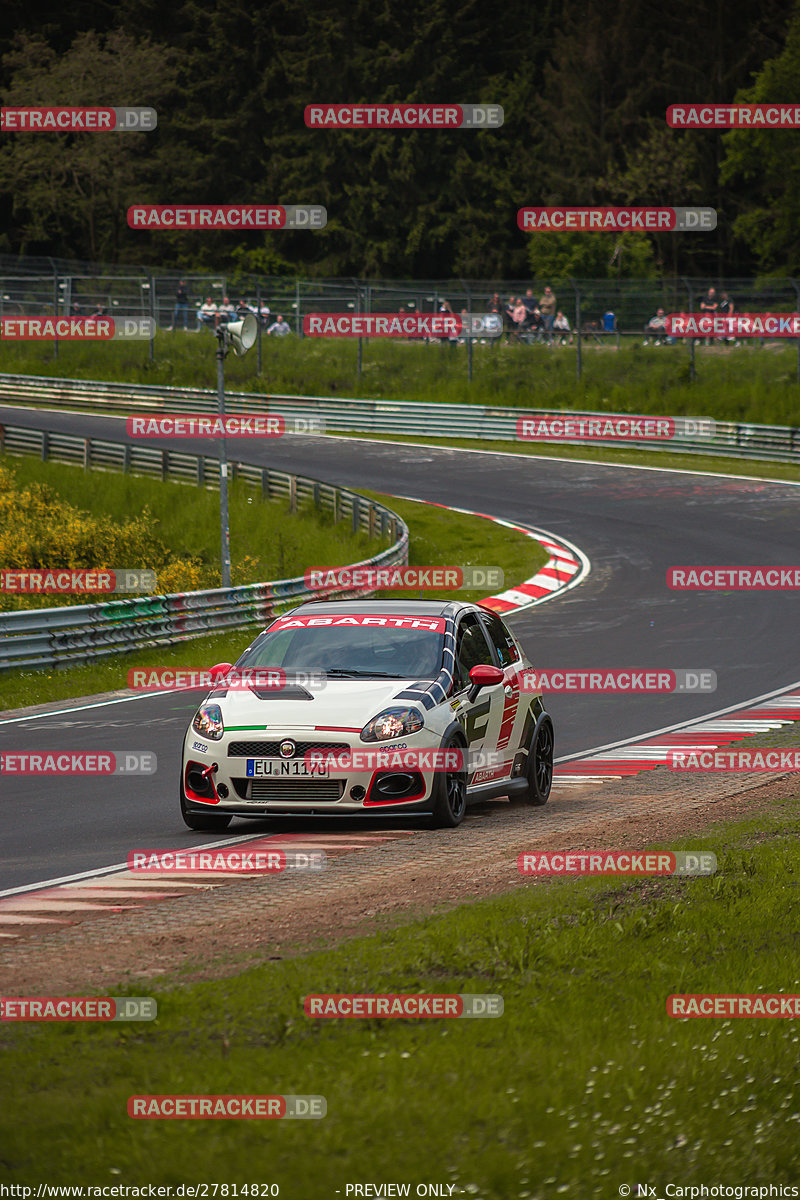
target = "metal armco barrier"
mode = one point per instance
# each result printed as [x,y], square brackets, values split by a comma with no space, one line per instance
[731,439]
[81,633]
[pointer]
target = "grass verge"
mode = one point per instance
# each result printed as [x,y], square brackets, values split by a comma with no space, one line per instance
[747,383]
[437,537]
[582,1086]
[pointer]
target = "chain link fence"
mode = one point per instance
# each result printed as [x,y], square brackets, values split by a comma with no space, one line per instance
[597,312]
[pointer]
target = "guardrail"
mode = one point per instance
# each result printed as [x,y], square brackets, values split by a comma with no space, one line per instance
[73,634]
[731,439]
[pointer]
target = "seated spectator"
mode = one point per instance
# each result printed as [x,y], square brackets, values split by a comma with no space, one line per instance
[207,314]
[226,311]
[519,315]
[529,301]
[561,326]
[279,327]
[656,327]
[547,307]
[609,321]
[243,309]
[494,304]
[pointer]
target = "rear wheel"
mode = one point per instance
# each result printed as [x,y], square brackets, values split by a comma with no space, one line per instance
[450,792]
[539,768]
[210,822]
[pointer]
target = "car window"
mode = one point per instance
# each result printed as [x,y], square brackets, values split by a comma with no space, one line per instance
[471,649]
[501,639]
[404,654]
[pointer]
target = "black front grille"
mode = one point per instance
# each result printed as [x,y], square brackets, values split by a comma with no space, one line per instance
[270,749]
[278,791]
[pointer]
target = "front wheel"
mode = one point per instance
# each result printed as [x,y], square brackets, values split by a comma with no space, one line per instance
[450,793]
[207,822]
[539,768]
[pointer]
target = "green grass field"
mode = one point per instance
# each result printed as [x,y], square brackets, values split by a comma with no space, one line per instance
[583,1085]
[744,383]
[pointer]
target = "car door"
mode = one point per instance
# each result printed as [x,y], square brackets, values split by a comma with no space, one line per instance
[481,718]
[515,723]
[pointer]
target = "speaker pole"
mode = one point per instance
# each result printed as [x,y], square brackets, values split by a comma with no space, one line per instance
[223,462]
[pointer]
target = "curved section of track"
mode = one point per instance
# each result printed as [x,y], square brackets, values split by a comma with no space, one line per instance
[632,523]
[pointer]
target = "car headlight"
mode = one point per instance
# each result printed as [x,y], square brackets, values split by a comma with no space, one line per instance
[208,721]
[392,723]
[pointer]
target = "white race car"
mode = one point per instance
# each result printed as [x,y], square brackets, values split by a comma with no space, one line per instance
[366,690]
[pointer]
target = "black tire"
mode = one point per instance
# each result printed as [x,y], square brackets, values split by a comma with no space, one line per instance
[449,793]
[539,768]
[208,822]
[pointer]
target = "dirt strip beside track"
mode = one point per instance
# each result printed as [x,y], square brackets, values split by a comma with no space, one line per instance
[211,934]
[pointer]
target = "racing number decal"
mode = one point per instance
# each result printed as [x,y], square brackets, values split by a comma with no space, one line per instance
[477,718]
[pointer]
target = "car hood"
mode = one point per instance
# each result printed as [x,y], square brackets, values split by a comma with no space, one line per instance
[340,704]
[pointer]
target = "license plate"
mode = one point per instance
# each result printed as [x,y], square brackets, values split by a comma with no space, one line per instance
[281,768]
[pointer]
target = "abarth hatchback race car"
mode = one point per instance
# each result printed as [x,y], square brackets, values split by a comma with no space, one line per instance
[404,676]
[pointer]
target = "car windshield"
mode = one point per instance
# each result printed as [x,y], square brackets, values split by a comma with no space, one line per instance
[349,652]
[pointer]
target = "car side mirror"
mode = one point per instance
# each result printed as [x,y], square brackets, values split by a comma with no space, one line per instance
[219,671]
[481,676]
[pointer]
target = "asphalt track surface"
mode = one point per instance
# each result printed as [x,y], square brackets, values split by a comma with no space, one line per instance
[631,523]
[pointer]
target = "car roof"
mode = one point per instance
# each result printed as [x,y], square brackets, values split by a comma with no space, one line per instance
[400,608]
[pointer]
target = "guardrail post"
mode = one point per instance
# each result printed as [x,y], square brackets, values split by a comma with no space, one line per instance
[292,493]
[87,453]
[578,344]
[164,465]
[126,458]
[201,471]
[335,505]
[356,523]
[372,520]
[316,495]
[45,445]
[265,484]
[794,284]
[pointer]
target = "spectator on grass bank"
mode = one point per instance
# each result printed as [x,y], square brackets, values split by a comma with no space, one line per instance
[547,307]
[452,338]
[494,304]
[529,300]
[181,305]
[709,305]
[207,314]
[656,328]
[561,327]
[279,327]
[727,308]
[519,315]
[226,311]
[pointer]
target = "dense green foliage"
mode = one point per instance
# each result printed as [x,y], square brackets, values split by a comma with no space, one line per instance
[584,86]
